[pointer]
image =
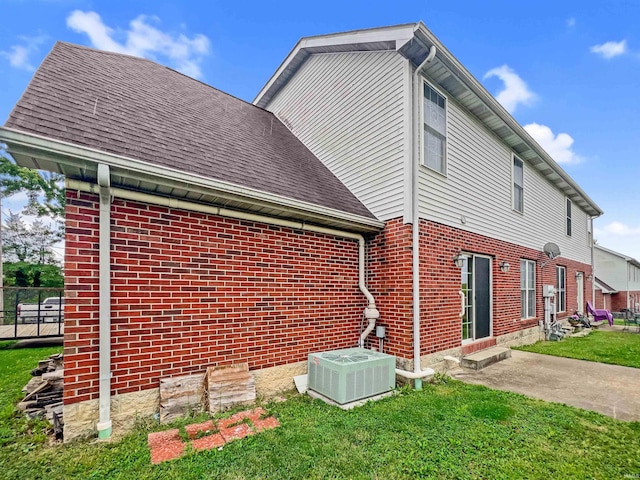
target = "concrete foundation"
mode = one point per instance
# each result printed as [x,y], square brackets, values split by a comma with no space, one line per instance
[80,419]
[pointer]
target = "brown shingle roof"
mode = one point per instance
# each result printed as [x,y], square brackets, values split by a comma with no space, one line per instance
[136,108]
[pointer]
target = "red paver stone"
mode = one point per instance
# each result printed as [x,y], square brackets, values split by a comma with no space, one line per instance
[236,433]
[266,424]
[209,442]
[160,438]
[167,451]
[196,428]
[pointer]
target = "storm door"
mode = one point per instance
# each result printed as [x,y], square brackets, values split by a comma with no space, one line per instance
[476,298]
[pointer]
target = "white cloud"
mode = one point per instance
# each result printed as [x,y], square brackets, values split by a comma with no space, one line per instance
[571,22]
[515,91]
[19,55]
[558,146]
[610,49]
[144,40]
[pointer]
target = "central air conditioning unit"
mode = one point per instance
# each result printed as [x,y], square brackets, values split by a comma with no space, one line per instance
[352,374]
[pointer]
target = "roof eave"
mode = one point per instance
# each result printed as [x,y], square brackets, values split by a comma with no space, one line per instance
[75,161]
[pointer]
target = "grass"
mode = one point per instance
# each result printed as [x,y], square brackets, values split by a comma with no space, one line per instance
[618,348]
[448,430]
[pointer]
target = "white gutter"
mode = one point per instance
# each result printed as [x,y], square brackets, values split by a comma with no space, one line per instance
[370,312]
[415,230]
[104,182]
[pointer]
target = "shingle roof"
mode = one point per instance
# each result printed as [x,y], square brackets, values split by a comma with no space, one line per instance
[139,109]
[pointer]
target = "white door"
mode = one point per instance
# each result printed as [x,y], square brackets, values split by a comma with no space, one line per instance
[580,290]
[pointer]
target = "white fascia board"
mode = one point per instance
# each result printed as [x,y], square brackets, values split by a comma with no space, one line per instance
[401,34]
[65,153]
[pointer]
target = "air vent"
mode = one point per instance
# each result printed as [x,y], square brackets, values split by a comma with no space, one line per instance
[352,374]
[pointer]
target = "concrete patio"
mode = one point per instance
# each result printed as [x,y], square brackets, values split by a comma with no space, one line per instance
[608,389]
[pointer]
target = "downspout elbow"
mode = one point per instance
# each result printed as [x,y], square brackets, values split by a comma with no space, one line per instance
[371,313]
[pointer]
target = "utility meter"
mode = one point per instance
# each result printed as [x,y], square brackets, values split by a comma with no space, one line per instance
[548,291]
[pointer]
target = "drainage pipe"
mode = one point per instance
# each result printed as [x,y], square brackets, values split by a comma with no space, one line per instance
[371,313]
[104,183]
[415,231]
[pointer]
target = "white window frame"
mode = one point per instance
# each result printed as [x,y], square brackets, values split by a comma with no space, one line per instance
[568,211]
[527,307]
[515,158]
[423,158]
[561,289]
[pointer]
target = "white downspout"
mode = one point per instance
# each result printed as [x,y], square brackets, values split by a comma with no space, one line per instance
[370,312]
[104,182]
[415,231]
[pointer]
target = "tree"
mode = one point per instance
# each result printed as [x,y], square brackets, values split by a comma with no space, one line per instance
[29,244]
[45,191]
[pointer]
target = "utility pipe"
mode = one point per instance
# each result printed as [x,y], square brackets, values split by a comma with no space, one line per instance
[104,183]
[370,312]
[415,230]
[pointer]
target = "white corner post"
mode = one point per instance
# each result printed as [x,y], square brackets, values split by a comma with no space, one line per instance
[104,183]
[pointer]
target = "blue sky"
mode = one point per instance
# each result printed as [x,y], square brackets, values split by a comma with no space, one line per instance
[568,70]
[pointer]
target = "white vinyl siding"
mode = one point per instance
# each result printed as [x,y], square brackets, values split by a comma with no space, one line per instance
[615,270]
[561,289]
[476,194]
[527,289]
[349,109]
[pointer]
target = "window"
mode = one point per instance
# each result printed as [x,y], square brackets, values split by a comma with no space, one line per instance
[568,217]
[435,130]
[527,288]
[518,185]
[561,289]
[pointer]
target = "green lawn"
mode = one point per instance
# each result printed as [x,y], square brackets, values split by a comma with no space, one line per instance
[618,348]
[448,430]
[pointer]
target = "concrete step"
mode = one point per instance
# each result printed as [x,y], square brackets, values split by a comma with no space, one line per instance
[484,358]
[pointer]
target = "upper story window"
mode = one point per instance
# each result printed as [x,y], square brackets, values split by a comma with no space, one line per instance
[435,130]
[568,217]
[518,185]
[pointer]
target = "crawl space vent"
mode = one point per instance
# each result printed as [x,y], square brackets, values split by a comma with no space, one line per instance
[351,374]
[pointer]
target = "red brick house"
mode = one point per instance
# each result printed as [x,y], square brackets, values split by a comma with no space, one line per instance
[204,230]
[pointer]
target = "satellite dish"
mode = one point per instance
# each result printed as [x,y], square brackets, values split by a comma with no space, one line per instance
[551,250]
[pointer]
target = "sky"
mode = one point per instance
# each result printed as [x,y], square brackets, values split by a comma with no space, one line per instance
[567,71]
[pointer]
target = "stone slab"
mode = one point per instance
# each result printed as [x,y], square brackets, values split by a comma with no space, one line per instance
[484,358]
[229,386]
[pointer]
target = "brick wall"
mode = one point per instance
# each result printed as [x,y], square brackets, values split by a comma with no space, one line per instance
[619,300]
[441,281]
[191,290]
[390,281]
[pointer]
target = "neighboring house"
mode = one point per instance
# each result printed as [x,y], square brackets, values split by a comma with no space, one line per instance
[603,294]
[203,230]
[622,276]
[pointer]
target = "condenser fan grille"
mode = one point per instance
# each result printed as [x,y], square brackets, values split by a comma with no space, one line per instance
[346,357]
